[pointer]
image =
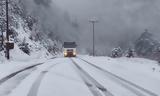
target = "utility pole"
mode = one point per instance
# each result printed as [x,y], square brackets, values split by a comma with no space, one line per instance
[7,31]
[93,21]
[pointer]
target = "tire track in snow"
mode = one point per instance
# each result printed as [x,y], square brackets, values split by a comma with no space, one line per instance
[4,79]
[13,75]
[96,88]
[7,87]
[121,80]
[35,87]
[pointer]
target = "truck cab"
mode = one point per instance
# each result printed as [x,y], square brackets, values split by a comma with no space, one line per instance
[69,49]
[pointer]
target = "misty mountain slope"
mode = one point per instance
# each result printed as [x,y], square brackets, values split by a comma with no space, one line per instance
[52,21]
[26,35]
[37,50]
[39,27]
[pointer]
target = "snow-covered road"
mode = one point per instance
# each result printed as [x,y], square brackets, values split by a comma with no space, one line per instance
[89,76]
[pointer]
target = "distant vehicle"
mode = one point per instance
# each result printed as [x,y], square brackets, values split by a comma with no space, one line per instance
[69,49]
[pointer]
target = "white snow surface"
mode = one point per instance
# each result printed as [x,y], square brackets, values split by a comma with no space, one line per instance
[137,70]
[37,50]
[58,77]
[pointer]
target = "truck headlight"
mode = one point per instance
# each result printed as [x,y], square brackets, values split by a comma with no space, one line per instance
[65,53]
[74,53]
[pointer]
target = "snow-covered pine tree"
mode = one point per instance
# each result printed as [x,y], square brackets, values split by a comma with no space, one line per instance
[130,53]
[116,52]
[145,45]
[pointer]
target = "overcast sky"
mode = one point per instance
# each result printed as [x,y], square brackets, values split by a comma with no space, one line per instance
[120,21]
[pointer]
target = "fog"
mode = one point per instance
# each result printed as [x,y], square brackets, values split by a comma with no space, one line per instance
[52,21]
[120,22]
